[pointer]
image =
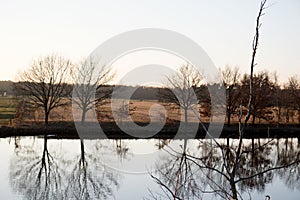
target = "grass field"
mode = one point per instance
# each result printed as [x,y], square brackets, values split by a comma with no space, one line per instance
[7,110]
[139,113]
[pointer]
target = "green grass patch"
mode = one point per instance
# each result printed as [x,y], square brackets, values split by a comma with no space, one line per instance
[7,109]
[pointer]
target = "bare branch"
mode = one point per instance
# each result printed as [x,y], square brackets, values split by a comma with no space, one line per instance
[267,170]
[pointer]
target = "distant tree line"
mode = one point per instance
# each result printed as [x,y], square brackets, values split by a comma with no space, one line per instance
[271,101]
[6,87]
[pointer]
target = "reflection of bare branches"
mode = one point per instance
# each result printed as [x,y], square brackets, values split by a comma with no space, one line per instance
[202,171]
[34,176]
[121,149]
[285,155]
[89,179]
[162,142]
[177,177]
[40,177]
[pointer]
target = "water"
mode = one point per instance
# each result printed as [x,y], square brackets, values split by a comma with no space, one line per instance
[35,168]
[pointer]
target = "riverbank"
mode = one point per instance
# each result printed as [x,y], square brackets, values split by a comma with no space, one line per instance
[112,131]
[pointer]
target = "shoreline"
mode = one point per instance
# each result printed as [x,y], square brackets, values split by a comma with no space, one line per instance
[169,131]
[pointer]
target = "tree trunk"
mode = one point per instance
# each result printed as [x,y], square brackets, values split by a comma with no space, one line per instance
[253,120]
[83,115]
[252,153]
[287,120]
[45,151]
[279,116]
[46,118]
[185,116]
[228,108]
[228,117]
[227,151]
[82,152]
[185,128]
[233,190]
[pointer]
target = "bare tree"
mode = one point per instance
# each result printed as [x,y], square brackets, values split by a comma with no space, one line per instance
[263,91]
[294,90]
[278,98]
[182,88]
[46,83]
[238,152]
[125,110]
[231,78]
[232,165]
[88,82]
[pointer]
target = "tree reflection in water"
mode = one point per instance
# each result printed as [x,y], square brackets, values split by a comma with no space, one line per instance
[291,151]
[89,178]
[177,176]
[122,150]
[192,173]
[37,174]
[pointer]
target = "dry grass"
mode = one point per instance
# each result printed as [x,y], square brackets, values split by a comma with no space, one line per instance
[139,112]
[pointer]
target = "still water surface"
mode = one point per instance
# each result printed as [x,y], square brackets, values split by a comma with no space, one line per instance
[36,168]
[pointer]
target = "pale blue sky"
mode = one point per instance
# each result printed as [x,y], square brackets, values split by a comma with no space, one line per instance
[224,29]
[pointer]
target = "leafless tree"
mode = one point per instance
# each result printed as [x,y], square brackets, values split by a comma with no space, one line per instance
[238,153]
[278,97]
[45,83]
[124,110]
[294,90]
[231,78]
[232,165]
[263,95]
[90,85]
[182,89]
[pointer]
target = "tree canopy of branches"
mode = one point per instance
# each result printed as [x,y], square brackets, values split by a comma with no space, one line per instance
[262,95]
[88,82]
[294,90]
[231,79]
[45,83]
[183,87]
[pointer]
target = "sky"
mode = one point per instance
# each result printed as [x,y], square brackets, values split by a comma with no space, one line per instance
[224,29]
